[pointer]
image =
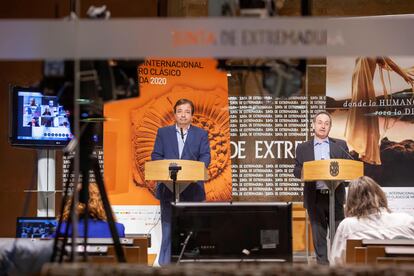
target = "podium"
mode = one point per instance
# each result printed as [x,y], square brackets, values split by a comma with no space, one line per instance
[185,171]
[333,172]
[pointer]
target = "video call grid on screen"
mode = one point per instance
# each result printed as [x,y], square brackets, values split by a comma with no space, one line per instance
[36,227]
[42,118]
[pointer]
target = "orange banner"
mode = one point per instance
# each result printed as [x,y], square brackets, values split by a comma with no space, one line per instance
[131,127]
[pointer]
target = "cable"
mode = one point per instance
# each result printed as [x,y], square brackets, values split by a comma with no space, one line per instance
[156,223]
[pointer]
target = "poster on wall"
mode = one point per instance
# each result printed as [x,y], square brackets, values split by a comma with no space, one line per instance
[372,103]
[132,124]
[265,132]
[131,128]
[269,117]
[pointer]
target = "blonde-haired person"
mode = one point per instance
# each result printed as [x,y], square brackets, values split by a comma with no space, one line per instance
[368,217]
[98,227]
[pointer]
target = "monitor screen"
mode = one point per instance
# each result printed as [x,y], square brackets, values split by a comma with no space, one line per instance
[232,231]
[37,120]
[35,227]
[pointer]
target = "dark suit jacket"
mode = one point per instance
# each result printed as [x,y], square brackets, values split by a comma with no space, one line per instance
[196,148]
[305,152]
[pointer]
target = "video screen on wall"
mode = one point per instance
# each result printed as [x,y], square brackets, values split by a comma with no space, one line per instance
[38,120]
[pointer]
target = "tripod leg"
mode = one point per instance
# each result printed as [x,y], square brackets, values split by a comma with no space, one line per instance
[108,211]
[84,198]
[59,244]
[65,238]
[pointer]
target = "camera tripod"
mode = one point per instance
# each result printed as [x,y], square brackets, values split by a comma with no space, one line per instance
[87,162]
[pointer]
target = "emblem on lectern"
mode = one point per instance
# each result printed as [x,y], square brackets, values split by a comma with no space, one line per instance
[334,168]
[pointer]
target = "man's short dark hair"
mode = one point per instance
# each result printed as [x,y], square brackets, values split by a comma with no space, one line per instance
[323,112]
[184,101]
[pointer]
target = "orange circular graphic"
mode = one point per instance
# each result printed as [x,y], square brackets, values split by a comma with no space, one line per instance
[211,114]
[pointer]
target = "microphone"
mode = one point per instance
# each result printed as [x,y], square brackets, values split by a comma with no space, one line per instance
[182,133]
[341,148]
[174,168]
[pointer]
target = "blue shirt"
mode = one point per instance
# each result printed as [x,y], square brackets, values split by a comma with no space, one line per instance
[181,141]
[96,229]
[321,150]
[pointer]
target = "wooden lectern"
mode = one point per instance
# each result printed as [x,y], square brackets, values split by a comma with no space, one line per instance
[333,172]
[190,171]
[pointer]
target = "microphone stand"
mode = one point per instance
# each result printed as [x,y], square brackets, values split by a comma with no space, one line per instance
[184,246]
[174,168]
[342,149]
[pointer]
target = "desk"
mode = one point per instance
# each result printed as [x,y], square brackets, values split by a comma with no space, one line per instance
[403,251]
[394,242]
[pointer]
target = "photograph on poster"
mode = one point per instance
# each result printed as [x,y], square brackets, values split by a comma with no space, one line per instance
[371,100]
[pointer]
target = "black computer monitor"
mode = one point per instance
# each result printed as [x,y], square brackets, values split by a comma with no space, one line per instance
[35,227]
[37,120]
[241,231]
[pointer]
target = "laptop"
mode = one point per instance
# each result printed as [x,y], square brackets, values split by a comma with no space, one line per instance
[35,227]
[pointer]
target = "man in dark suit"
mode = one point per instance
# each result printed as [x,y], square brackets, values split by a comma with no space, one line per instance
[34,122]
[179,141]
[316,194]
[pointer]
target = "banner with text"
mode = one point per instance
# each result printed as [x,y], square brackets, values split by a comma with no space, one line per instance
[132,126]
[372,103]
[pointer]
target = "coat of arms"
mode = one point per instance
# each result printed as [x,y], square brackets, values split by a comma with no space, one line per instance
[334,168]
